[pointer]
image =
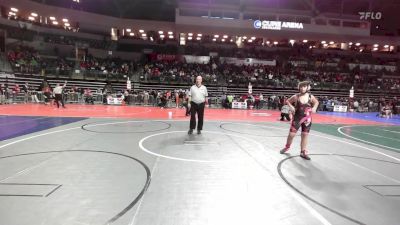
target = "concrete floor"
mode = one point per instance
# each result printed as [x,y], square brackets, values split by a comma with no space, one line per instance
[113,171]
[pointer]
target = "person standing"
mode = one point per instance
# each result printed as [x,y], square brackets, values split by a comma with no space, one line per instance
[303,105]
[26,90]
[197,101]
[33,92]
[58,92]
[186,102]
[2,94]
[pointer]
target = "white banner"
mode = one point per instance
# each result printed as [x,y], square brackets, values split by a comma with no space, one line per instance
[114,101]
[370,66]
[247,61]
[128,85]
[6,75]
[239,105]
[197,59]
[340,108]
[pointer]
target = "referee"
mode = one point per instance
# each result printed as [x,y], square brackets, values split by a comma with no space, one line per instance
[58,92]
[197,100]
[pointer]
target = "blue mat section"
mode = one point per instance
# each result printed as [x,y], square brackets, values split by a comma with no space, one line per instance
[15,126]
[365,116]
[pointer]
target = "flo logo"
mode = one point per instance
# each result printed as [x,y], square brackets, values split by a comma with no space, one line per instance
[370,15]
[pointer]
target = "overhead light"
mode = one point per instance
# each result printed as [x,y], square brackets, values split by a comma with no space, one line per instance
[225,36]
[214,39]
[170,32]
[12,13]
[198,38]
[128,30]
[161,32]
[376,45]
[151,39]
[323,42]
[65,20]
[55,22]
[268,42]
[182,38]
[253,38]
[331,42]
[34,14]
[275,42]
[351,43]
[131,34]
[162,36]
[52,18]
[31,18]
[386,46]
[190,38]
[144,35]
[14,9]
[223,40]
[250,40]
[171,36]
[199,35]
[305,41]
[141,31]
[216,36]
[375,49]
[358,44]
[231,40]
[190,34]
[67,24]
[325,45]
[244,37]
[292,41]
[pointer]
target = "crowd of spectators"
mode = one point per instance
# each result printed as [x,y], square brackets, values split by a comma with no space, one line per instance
[280,76]
[109,66]
[71,40]
[25,59]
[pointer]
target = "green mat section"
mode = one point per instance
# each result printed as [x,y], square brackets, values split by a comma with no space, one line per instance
[387,137]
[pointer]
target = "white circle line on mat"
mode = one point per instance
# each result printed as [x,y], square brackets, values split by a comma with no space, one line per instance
[141,146]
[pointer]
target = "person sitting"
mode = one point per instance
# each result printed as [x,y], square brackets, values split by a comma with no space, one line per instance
[386,111]
[88,96]
[285,113]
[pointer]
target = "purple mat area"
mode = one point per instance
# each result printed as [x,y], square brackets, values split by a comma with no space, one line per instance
[14,126]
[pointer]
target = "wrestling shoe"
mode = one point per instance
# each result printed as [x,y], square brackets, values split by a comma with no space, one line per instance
[284,150]
[304,155]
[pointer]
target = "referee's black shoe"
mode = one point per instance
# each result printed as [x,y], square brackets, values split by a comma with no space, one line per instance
[198,131]
[190,131]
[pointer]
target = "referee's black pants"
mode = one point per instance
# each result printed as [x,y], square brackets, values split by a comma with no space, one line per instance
[58,97]
[199,109]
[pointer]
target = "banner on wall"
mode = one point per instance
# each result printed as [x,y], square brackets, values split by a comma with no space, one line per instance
[372,67]
[340,108]
[114,101]
[197,59]
[247,61]
[6,75]
[162,57]
[239,105]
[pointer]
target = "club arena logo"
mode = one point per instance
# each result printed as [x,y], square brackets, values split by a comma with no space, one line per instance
[257,24]
[276,25]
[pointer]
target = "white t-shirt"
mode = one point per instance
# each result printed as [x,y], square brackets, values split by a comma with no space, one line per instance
[198,94]
[58,90]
